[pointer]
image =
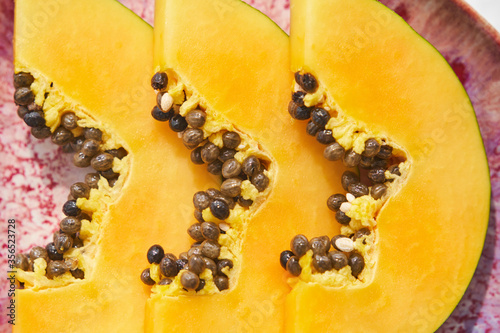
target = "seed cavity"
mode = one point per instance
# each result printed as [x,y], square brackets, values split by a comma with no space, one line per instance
[377,168]
[61,261]
[220,213]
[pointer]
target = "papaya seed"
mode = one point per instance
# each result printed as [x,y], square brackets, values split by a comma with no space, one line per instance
[93,133]
[231,140]
[41,132]
[196,118]
[146,277]
[221,282]
[190,280]
[34,119]
[335,200]
[293,266]
[299,245]
[23,79]
[338,259]
[322,263]
[372,147]
[155,254]
[166,102]
[69,121]
[62,136]
[178,123]
[357,264]
[344,244]
[24,96]
[159,81]
[56,268]
[284,257]
[325,137]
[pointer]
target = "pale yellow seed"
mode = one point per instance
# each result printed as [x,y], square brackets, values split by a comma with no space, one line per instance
[345,207]
[224,226]
[344,244]
[166,102]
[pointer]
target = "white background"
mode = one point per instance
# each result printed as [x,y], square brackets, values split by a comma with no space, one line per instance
[489,9]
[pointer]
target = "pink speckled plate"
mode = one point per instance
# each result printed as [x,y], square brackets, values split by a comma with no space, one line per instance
[35,175]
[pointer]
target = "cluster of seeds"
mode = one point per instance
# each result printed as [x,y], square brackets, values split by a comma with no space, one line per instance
[85,143]
[342,254]
[203,254]
[220,161]
[373,163]
[52,255]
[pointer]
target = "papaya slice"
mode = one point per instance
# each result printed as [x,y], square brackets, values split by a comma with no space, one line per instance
[230,62]
[377,78]
[89,61]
